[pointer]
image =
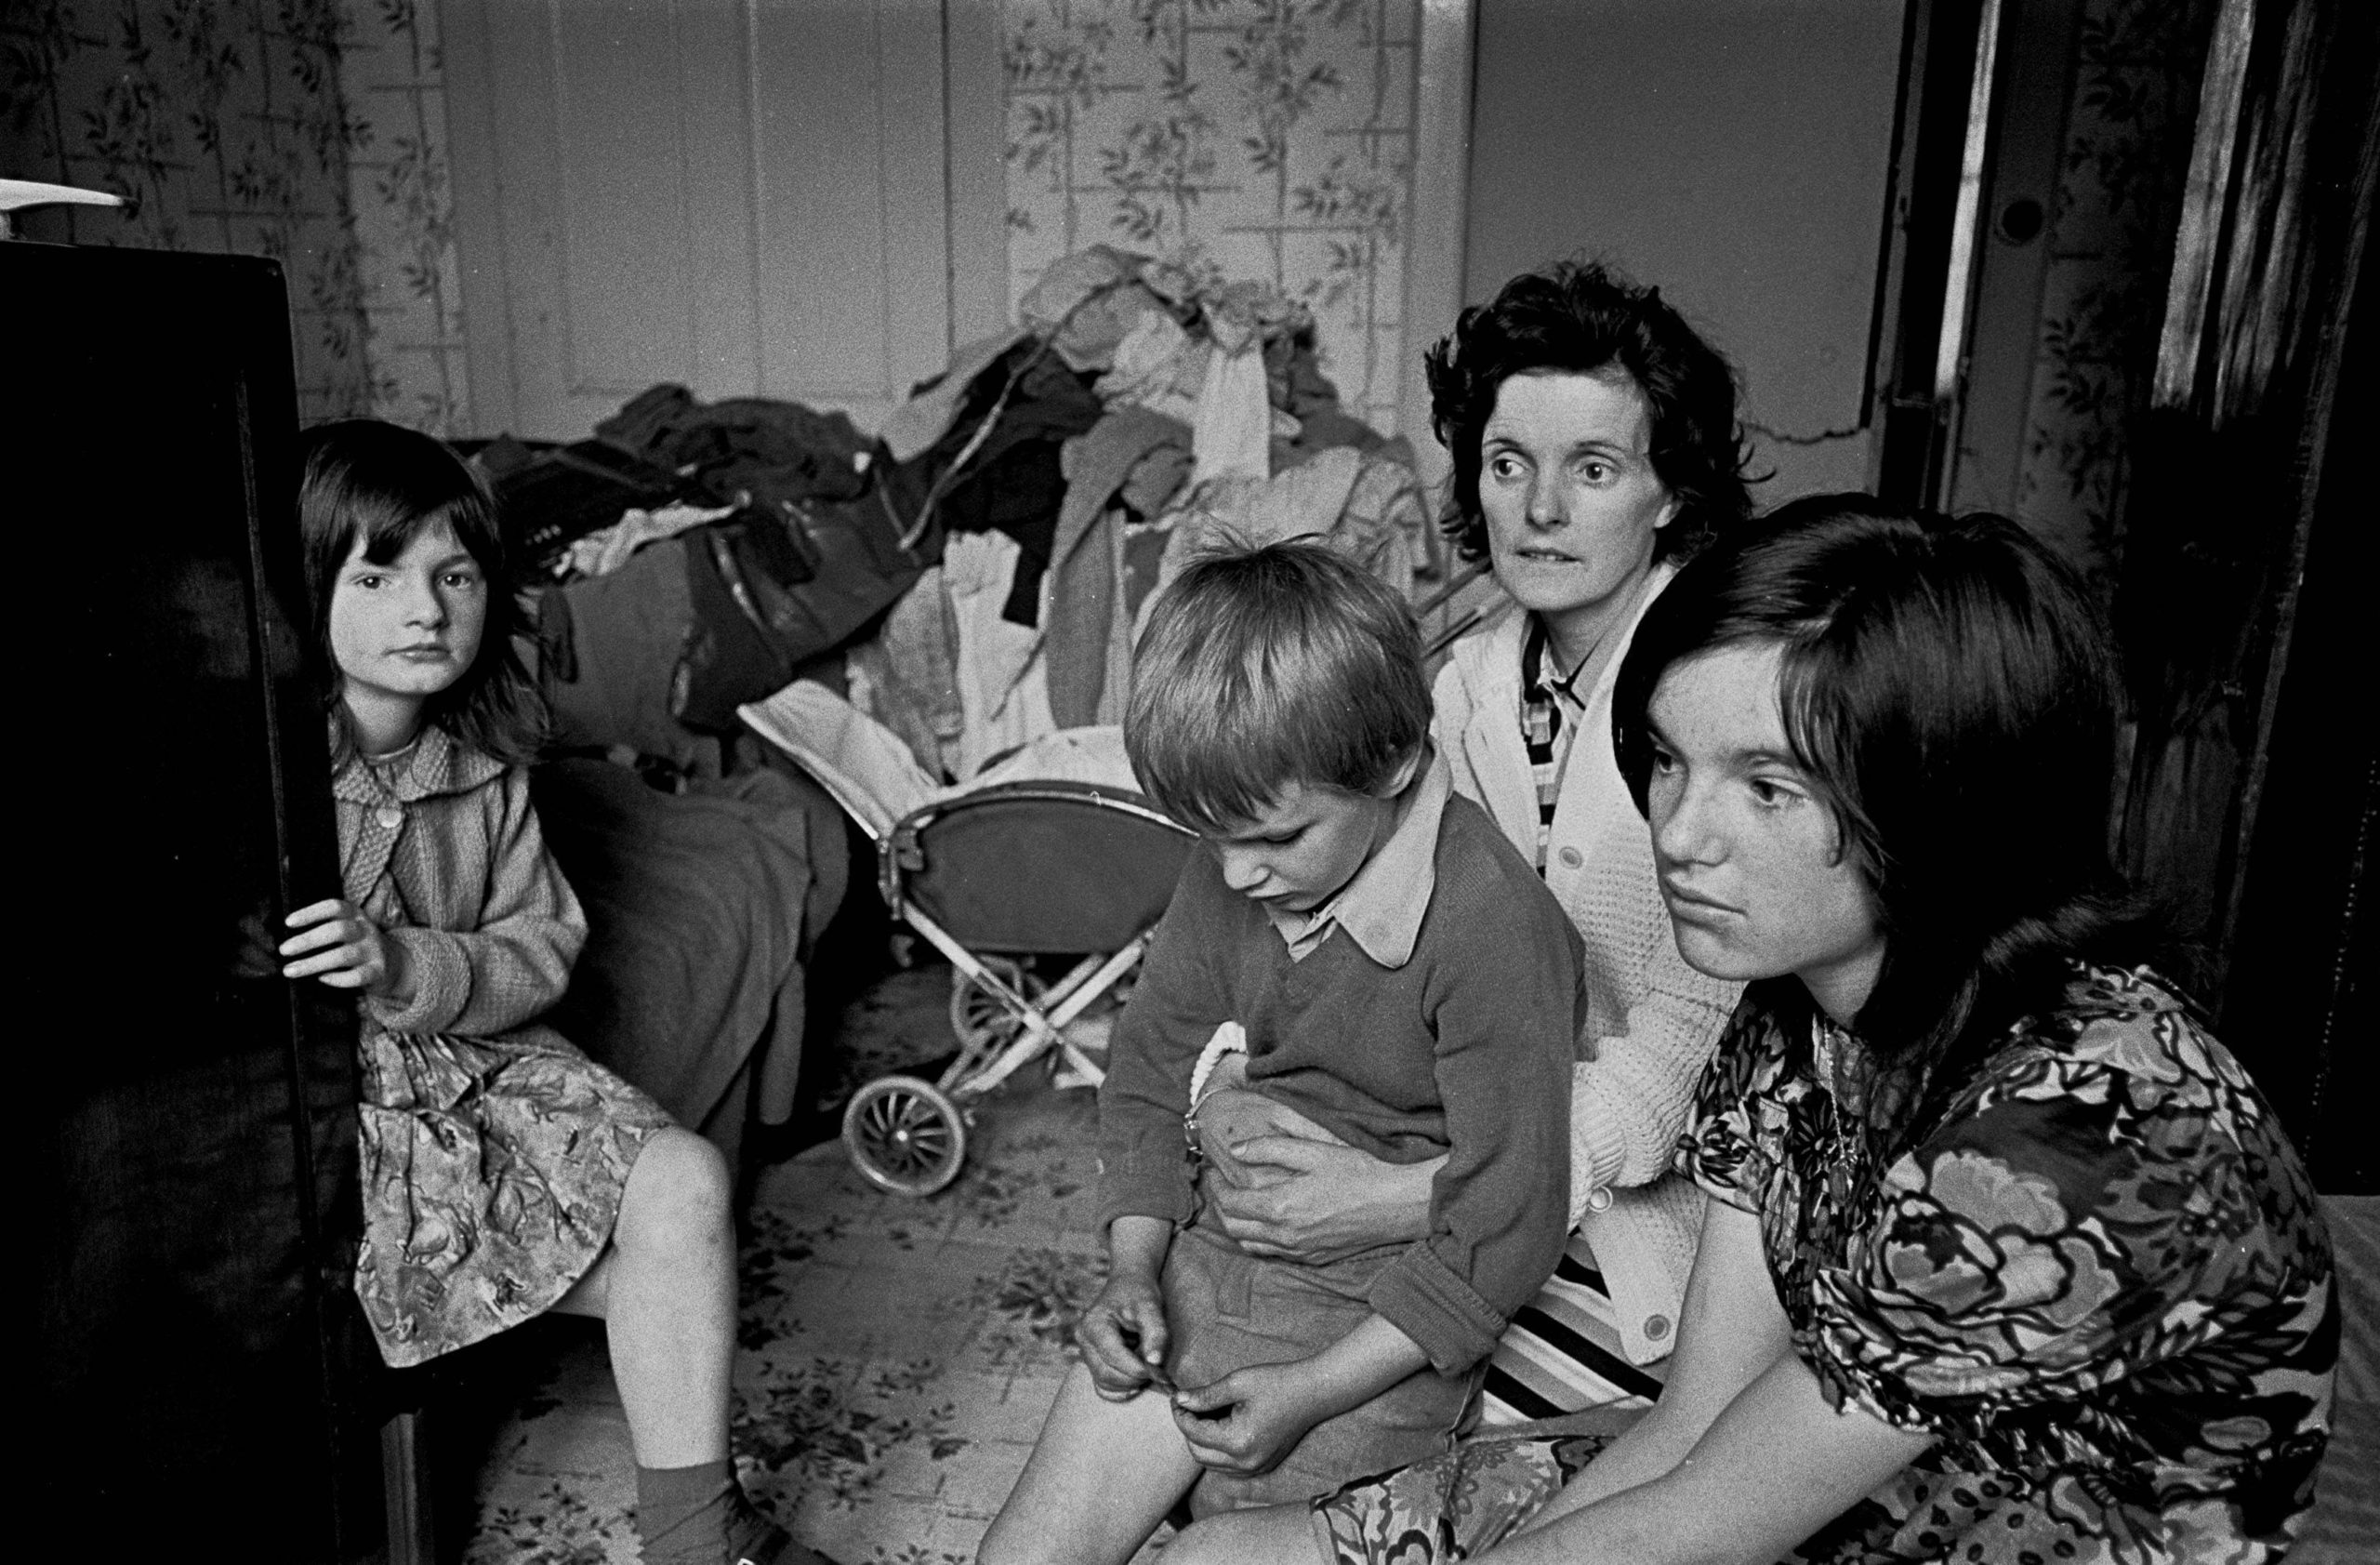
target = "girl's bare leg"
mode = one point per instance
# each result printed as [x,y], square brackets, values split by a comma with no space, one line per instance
[1101,1477]
[666,1290]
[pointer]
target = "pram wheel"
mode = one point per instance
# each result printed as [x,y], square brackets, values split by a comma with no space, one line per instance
[904,1135]
[977,1017]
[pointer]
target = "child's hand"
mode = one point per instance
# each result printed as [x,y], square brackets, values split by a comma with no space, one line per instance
[1123,1338]
[347,949]
[1248,1421]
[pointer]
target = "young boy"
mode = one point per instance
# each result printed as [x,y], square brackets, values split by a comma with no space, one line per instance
[1403,981]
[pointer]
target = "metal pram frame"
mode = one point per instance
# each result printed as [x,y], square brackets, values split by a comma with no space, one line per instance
[990,875]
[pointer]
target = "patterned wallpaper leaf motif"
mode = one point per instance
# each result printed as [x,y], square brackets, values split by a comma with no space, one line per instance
[221,123]
[244,126]
[1270,140]
[2127,147]
[411,285]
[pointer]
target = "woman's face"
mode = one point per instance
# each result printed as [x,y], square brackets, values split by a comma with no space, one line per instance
[1751,861]
[1567,487]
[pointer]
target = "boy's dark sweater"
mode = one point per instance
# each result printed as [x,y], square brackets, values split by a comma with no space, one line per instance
[1466,1048]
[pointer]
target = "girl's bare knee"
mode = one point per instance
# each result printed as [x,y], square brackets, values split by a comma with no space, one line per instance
[678,1192]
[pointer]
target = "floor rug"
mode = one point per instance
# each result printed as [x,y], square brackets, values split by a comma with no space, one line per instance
[897,1356]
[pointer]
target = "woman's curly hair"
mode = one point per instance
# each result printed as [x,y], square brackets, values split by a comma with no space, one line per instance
[1585,318]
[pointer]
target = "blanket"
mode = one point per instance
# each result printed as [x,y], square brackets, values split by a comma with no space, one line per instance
[701,909]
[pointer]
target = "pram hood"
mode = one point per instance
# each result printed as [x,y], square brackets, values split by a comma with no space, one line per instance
[878,782]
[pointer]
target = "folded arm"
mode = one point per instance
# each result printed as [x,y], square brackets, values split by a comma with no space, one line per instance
[1741,1458]
[515,962]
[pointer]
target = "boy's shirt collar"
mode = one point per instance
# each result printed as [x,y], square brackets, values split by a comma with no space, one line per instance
[1382,907]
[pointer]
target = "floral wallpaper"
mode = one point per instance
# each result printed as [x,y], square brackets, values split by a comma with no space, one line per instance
[220,122]
[1270,140]
[1263,139]
[393,82]
[2127,149]
[296,129]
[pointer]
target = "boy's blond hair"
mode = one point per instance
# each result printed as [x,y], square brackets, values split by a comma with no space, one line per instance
[1266,667]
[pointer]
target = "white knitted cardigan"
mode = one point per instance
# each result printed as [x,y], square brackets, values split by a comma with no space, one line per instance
[1656,1020]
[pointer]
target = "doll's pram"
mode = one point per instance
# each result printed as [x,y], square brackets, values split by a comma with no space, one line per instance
[1051,851]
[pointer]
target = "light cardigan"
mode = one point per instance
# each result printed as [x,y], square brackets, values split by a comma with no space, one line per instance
[452,866]
[1656,1021]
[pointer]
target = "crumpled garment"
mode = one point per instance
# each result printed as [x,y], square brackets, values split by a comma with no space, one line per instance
[1088,328]
[1012,480]
[905,676]
[1232,436]
[769,450]
[1002,684]
[607,549]
[1157,366]
[1248,312]
[1086,634]
[1365,508]
[627,630]
[1149,489]
[1160,366]
[917,423]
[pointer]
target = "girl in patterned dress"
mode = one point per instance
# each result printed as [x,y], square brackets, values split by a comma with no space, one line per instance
[504,1173]
[2005,1258]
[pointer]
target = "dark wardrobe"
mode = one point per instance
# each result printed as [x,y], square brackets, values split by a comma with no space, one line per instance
[200,1369]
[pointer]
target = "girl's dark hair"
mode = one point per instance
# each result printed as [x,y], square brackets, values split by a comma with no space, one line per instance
[363,478]
[1950,693]
[1589,319]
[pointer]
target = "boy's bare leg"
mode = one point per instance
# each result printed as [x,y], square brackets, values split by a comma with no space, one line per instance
[1101,1477]
[1273,1535]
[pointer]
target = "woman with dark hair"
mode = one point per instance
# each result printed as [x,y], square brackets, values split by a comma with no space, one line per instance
[2005,1258]
[504,1173]
[1596,445]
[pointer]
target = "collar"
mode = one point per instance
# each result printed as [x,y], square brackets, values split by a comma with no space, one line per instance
[436,765]
[1491,655]
[1535,654]
[1381,908]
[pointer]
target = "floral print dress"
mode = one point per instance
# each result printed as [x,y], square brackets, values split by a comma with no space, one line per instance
[2098,1281]
[494,1152]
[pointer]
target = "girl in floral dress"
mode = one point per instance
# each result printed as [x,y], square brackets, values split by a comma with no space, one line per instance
[2005,1258]
[504,1174]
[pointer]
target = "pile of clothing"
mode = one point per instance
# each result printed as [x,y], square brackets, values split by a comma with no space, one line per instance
[971,577]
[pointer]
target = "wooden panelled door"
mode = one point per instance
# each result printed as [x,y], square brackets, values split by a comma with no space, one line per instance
[796,201]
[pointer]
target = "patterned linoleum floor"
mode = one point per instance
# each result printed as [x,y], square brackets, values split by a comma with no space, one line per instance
[897,1356]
